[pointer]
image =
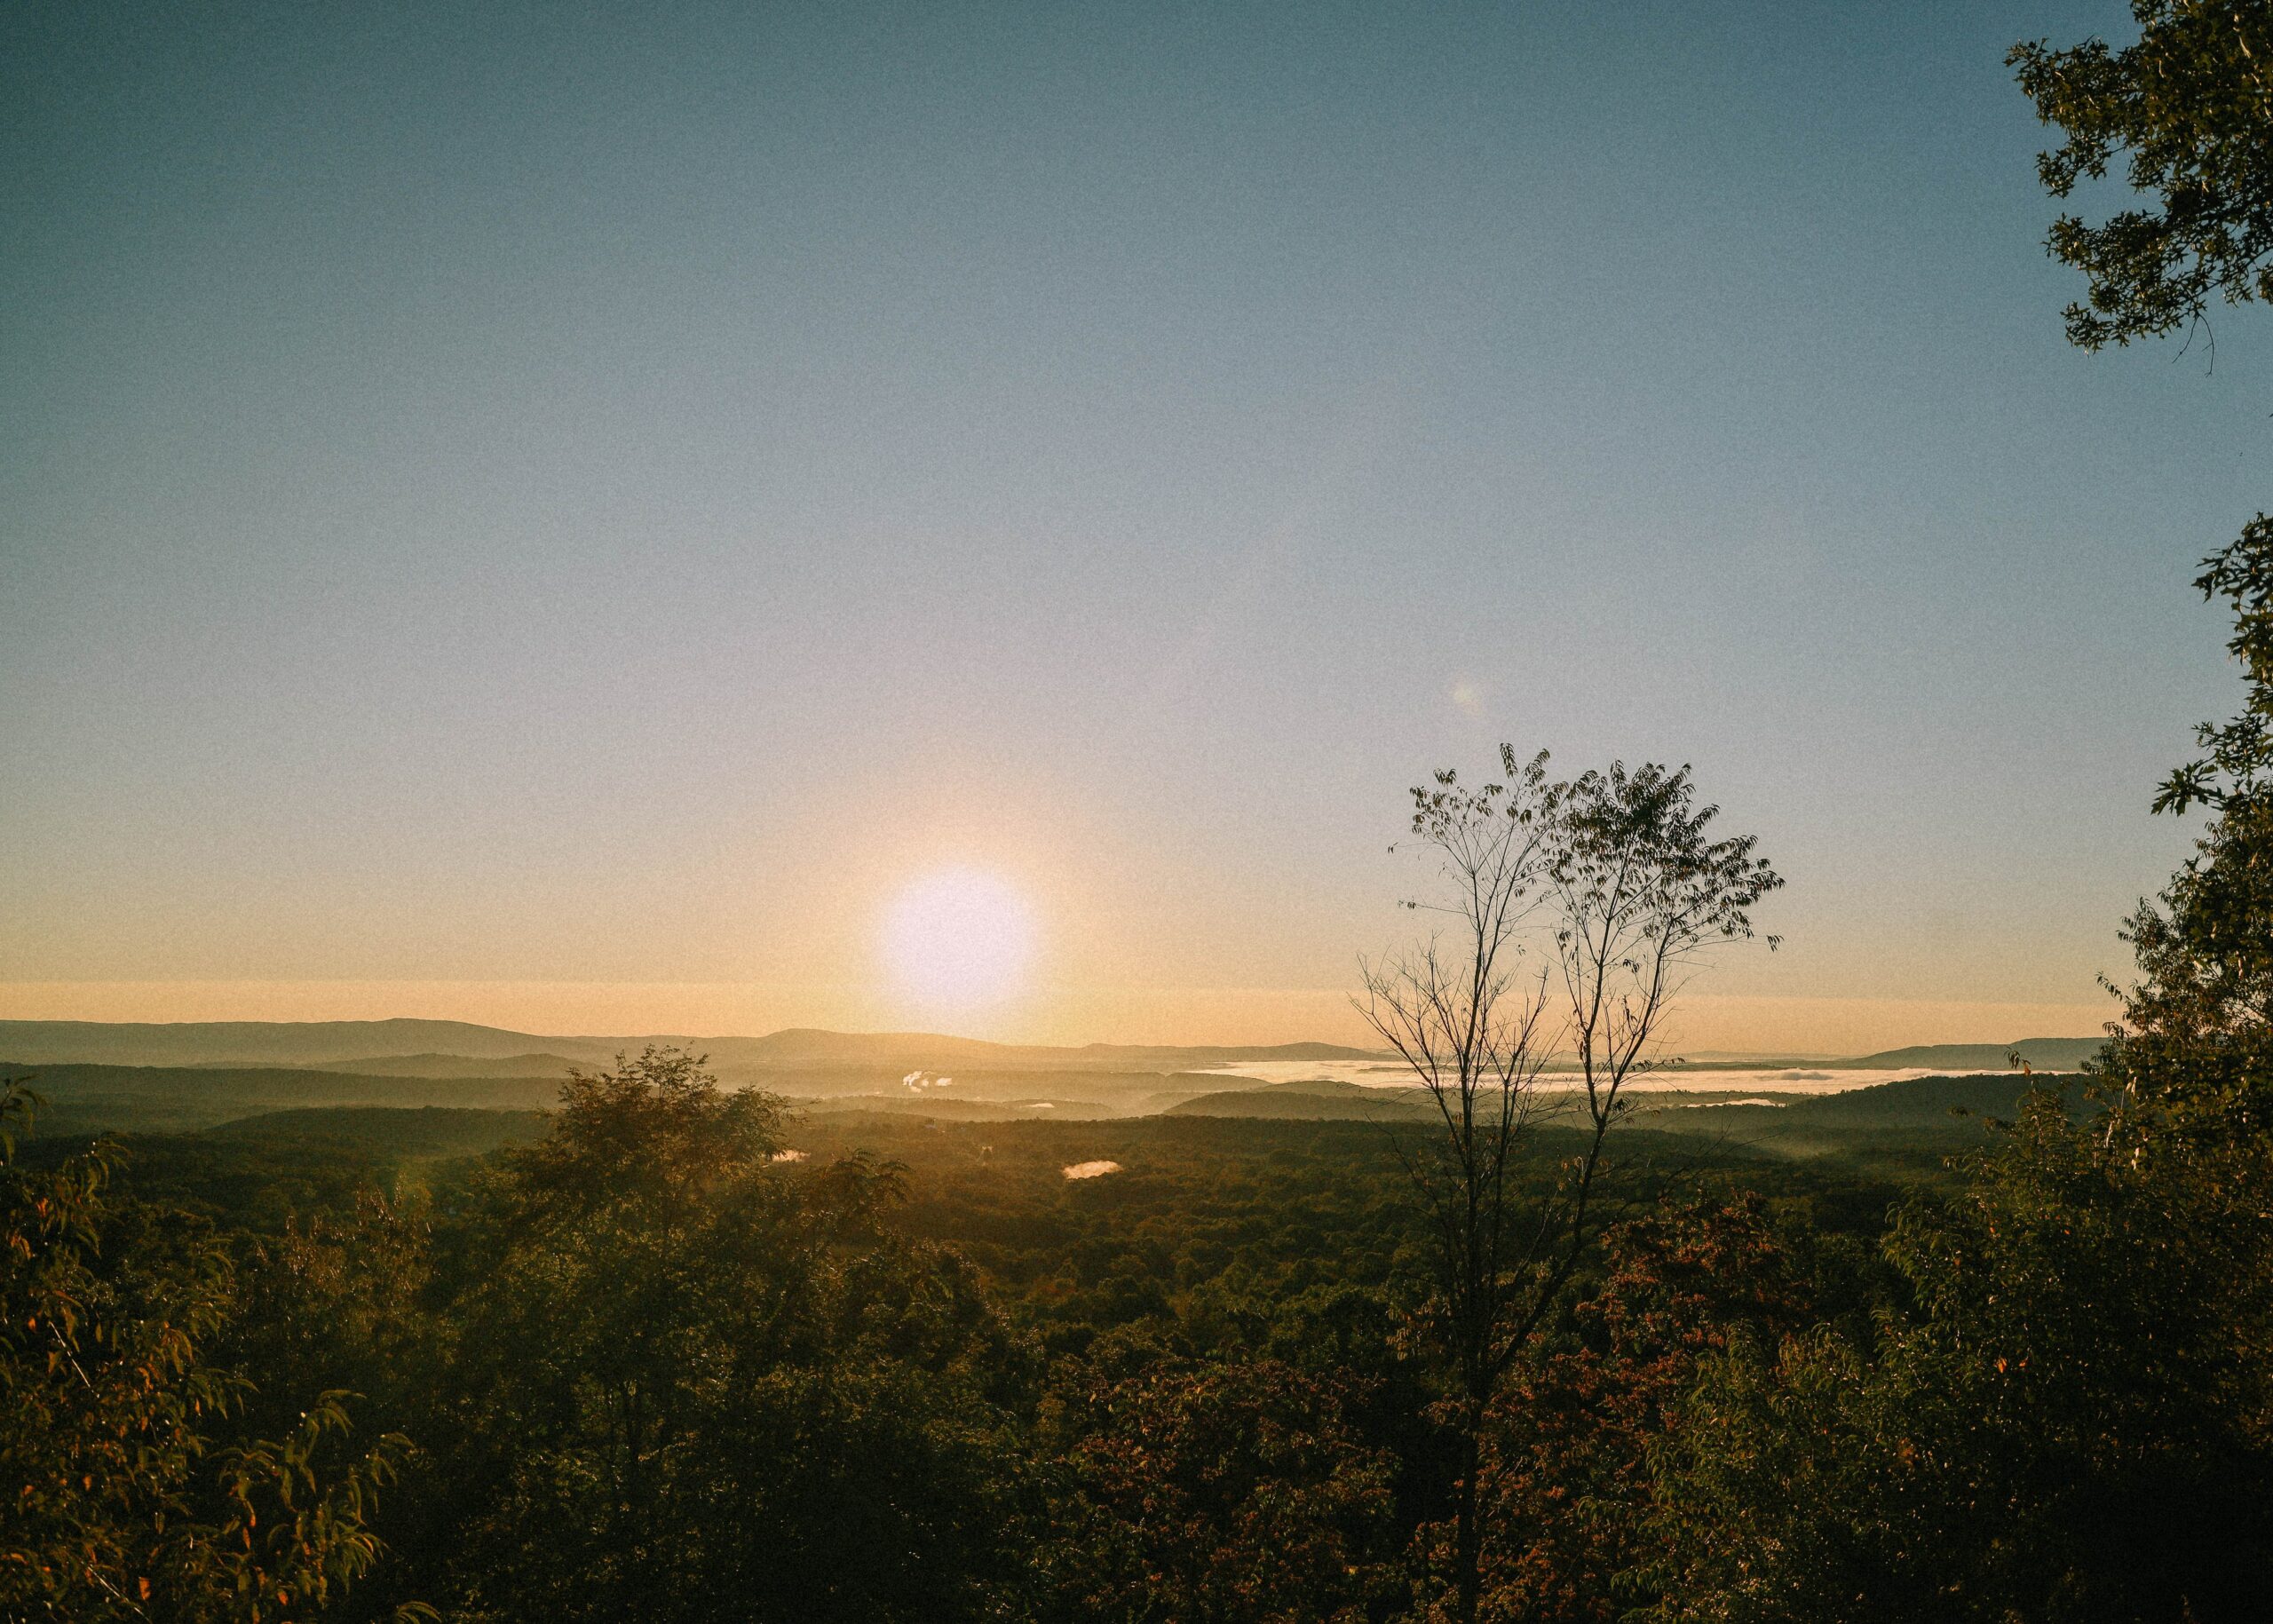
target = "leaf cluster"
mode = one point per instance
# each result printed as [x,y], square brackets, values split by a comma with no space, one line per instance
[2189,106]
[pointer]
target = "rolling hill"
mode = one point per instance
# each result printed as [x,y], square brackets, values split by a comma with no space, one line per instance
[432,1045]
[1319,1100]
[552,1066]
[249,1042]
[2045,1054]
[183,1100]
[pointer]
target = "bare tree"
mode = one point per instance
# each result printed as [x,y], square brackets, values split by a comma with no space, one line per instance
[1574,910]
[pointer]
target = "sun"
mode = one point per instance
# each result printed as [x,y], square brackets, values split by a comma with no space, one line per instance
[959,939]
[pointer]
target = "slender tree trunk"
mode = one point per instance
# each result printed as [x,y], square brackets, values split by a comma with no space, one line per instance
[1467,1531]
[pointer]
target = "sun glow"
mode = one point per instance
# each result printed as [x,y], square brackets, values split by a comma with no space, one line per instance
[960,939]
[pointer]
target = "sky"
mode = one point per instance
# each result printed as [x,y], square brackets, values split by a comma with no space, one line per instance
[571,516]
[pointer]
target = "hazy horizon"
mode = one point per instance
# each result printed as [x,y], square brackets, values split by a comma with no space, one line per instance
[1708,1026]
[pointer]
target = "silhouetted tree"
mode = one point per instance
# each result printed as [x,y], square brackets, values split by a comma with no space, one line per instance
[1611,880]
[2195,1046]
[2191,105]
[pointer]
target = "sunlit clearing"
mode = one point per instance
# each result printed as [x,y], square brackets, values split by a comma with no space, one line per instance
[960,939]
[1092,1169]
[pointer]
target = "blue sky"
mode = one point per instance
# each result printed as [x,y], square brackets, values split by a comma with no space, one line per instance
[611,495]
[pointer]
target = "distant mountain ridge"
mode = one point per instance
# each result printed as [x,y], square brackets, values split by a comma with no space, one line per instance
[441,1048]
[806,1046]
[2042,1054]
[554,1067]
[392,1048]
[239,1042]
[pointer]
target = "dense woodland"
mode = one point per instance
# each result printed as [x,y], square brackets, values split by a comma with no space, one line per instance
[647,1366]
[542,1382]
[672,1353]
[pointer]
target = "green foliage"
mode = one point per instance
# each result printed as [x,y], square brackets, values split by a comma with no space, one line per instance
[649,1139]
[656,1368]
[2080,1384]
[131,1496]
[2191,104]
[1229,1492]
[2240,752]
[1567,1485]
[680,1381]
[2197,1032]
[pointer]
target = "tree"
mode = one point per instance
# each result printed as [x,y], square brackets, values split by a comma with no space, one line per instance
[2195,1046]
[2069,1421]
[130,1496]
[690,1382]
[1613,880]
[1569,1487]
[2191,104]
[1217,1493]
